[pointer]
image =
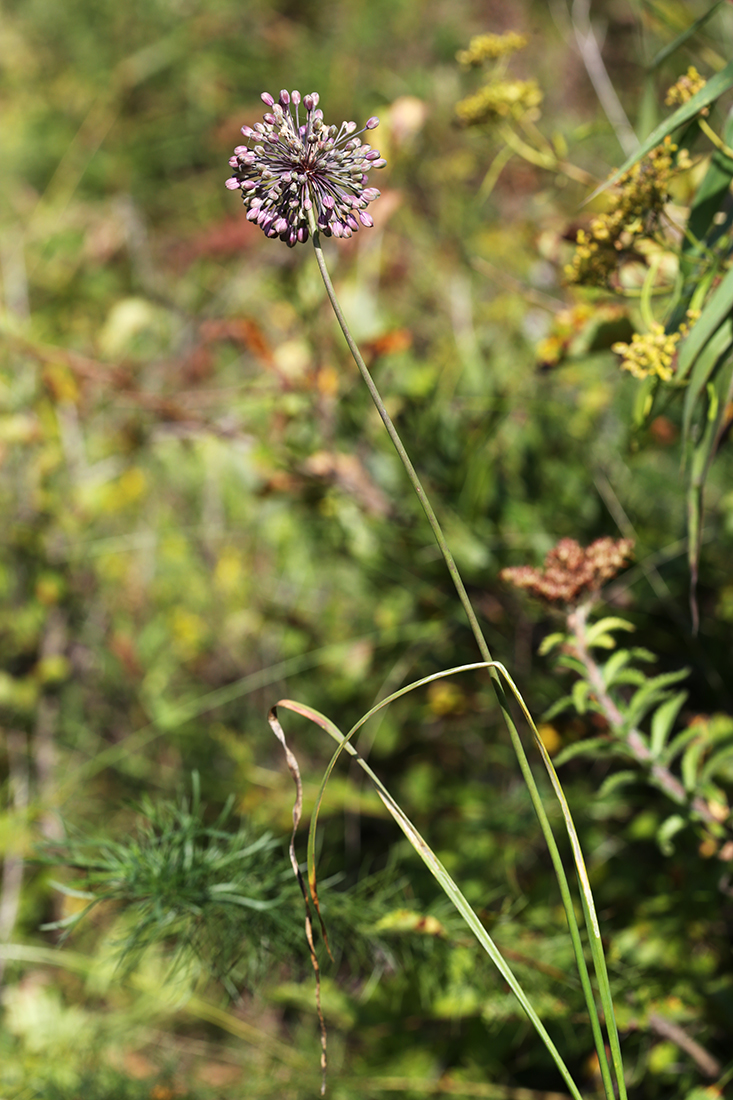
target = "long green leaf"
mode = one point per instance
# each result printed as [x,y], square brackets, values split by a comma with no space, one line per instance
[717,308]
[707,361]
[719,393]
[680,40]
[709,199]
[594,745]
[663,720]
[589,909]
[715,87]
[441,875]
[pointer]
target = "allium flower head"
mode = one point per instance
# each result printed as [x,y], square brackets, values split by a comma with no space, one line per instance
[294,165]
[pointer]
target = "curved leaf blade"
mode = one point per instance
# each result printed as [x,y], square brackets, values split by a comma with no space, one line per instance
[715,87]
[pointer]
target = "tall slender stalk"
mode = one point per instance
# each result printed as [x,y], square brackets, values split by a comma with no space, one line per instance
[496,681]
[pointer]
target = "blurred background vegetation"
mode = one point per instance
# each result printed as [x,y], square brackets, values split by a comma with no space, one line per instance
[202,516]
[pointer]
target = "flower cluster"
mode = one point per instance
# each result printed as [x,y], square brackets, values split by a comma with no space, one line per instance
[571,572]
[300,170]
[634,206]
[490,47]
[685,88]
[654,352]
[499,99]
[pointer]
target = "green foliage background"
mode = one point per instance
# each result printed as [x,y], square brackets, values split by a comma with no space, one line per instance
[202,516]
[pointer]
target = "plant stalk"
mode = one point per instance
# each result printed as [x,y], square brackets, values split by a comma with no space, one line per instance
[486,656]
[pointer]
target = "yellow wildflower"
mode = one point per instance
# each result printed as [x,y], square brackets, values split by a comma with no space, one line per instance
[499,99]
[490,47]
[686,87]
[636,202]
[653,353]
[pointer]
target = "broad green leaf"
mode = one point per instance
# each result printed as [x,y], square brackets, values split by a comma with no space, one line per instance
[691,762]
[678,744]
[715,762]
[663,719]
[573,663]
[631,676]
[615,665]
[581,689]
[593,746]
[550,642]
[558,707]
[667,830]
[617,780]
[602,626]
[651,693]
[715,87]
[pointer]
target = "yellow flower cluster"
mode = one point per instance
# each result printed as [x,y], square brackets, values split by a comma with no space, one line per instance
[653,353]
[686,87]
[490,47]
[640,196]
[500,99]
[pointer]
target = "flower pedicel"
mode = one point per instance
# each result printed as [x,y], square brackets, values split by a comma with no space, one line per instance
[295,168]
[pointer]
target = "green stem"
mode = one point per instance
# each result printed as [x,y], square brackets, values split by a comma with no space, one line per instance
[486,656]
[716,140]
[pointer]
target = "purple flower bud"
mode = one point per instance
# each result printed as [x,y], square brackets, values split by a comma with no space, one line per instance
[280,225]
[379,163]
[248,133]
[337,229]
[366,219]
[284,98]
[328,202]
[373,154]
[232,184]
[233,162]
[270,119]
[372,123]
[371,194]
[267,98]
[240,149]
[308,102]
[351,220]
[295,97]
[248,185]
[303,234]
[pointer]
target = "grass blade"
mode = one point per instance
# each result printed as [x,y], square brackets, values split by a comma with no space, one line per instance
[441,875]
[681,38]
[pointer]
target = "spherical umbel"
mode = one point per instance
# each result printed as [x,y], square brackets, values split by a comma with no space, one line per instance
[292,167]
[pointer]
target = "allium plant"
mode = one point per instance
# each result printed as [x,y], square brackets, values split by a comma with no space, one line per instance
[294,169]
[304,178]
